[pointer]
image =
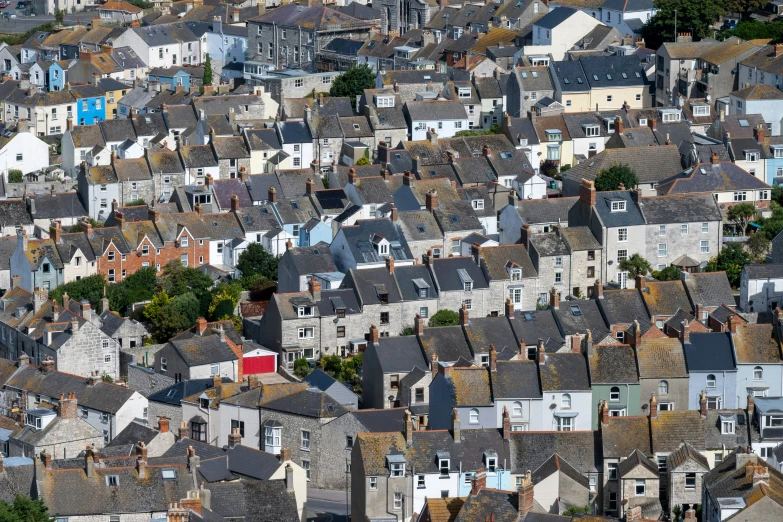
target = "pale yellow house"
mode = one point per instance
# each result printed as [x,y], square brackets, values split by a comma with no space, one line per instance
[601,83]
[555,141]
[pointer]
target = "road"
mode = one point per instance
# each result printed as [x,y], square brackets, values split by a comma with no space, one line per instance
[21,23]
[326,506]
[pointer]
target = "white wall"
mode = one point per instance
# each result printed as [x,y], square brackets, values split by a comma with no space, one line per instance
[444,128]
[34,154]
[581,401]
[132,409]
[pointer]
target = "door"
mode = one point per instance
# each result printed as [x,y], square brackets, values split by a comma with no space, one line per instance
[622,278]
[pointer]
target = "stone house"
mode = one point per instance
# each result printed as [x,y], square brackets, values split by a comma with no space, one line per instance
[541,215]
[463,391]
[662,370]
[167,173]
[759,363]
[760,285]
[727,430]
[368,243]
[686,468]
[550,256]
[621,437]
[614,379]
[232,155]
[36,263]
[385,364]
[62,434]
[639,485]
[564,378]
[462,284]
[526,86]
[299,264]
[379,297]
[129,333]
[707,292]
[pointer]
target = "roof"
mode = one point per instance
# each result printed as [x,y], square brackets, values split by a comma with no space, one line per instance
[708,177]
[531,450]
[541,211]
[442,509]
[484,332]
[359,238]
[709,352]
[516,379]
[672,428]
[451,271]
[318,18]
[536,324]
[760,91]
[470,386]
[564,372]
[312,259]
[624,435]
[636,458]
[622,306]
[709,289]
[665,297]
[576,317]
[661,358]
[435,110]
[756,344]
[196,351]
[400,354]
[448,342]
[176,392]
[651,164]
[308,403]
[555,17]
[685,208]
[685,453]
[728,49]
[613,364]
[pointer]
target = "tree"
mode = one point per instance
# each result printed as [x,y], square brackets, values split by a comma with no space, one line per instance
[177,279]
[365,159]
[135,203]
[444,318]
[15,176]
[301,368]
[24,509]
[59,16]
[635,265]
[772,225]
[90,288]
[353,82]
[758,244]
[137,287]
[168,316]
[207,71]
[670,273]
[256,260]
[744,7]
[731,260]
[611,178]
[332,364]
[407,330]
[753,29]
[224,300]
[693,17]
[742,214]
[550,169]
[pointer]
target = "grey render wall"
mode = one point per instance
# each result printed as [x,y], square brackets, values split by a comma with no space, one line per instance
[678,392]
[335,449]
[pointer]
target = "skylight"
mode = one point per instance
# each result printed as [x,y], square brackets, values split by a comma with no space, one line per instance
[168,474]
[575,310]
[744,123]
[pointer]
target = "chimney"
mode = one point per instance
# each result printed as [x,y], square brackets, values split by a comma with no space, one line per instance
[759,133]
[68,407]
[406,178]
[289,478]
[163,424]
[486,150]
[433,365]
[685,335]
[432,200]
[272,195]
[46,460]
[15,281]
[194,461]
[208,180]
[522,350]
[493,358]
[525,494]
[641,281]
[390,264]
[396,86]
[760,474]
[119,217]
[217,382]
[153,215]
[183,430]
[637,334]
[234,438]
[598,289]
[74,324]
[751,405]
[69,124]
[288,245]
[604,413]
[310,186]
[285,454]
[200,209]
[464,316]
[201,325]
[40,297]
[731,324]
[408,429]
[234,203]
[509,308]
[314,287]
[432,136]
[104,302]
[576,343]
[395,214]
[475,251]
[479,482]
[653,407]
[47,366]
[89,463]
[587,193]
[652,123]
[85,309]
[383,153]
[243,173]
[55,231]
[554,298]
[374,334]
[87,227]
[66,301]
[618,125]
[235,16]
[633,514]
[703,404]
[541,352]
[426,259]
[525,235]
[193,502]
[455,425]
[352,176]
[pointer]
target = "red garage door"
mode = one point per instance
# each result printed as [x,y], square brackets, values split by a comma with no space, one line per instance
[259,364]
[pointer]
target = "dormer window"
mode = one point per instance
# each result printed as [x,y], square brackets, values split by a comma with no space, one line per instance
[642,122]
[609,122]
[443,466]
[113,480]
[32,421]
[618,206]
[478,204]
[467,281]
[701,110]
[670,115]
[516,274]
[591,130]
[492,462]
[468,286]
[727,427]
[464,92]
[384,101]
[751,155]
[396,465]
[778,151]
[304,311]
[554,135]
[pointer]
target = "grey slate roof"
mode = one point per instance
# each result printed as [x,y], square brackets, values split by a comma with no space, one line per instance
[709,289]
[603,206]
[400,354]
[359,238]
[534,325]
[448,342]
[196,351]
[516,380]
[622,306]
[555,17]
[435,110]
[540,211]
[589,319]
[686,208]
[613,364]
[447,275]
[707,177]
[530,450]
[710,352]
[308,403]
[565,371]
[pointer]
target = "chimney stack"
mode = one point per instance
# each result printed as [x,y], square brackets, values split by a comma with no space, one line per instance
[432,200]
[314,287]
[310,186]
[408,418]
[201,325]
[540,351]
[464,316]
[703,404]
[598,289]
[352,176]
[272,195]
[390,264]
[685,335]
[576,343]
[506,424]
[234,438]
[618,125]
[479,482]
[509,308]
[374,334]
[455,425]
[525,494]
[163,424]
[493,358]
[68,406]
[751,406]
[653,407]
[554,297]
[433,365]
[234,203]
[524,236]
[587,194]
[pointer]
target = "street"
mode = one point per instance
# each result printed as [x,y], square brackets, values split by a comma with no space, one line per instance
[326,506]
[21,23]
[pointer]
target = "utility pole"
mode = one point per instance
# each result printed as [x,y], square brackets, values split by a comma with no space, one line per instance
[675,25]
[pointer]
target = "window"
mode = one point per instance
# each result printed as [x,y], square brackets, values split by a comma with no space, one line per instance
[163,364]
[214,369]
[690,481]
[663,388]
[183,259]
[612,501]
[614,394]
[515,294]
[640,488]
[662,464]
[306,333]
[397,501]
[298,83]
[107,357]
[305,445]
[622,235]
[373,483]
[741,196]
[419,394]
[443,466]
[468,304]
[474,416]
[662,249]
[304,311]
[714,403]
[565,401]
[272,436]
[612,471]
[727,427]
[240,425]
[384,317]
[397,469]
[341,331]
[683,229]
[111,277]
[565,424]
[622,254]
[306,467]
[112,480]
[758,373]
[394,381]
[704,247]
[492,464]
[420,482]
[558,278]
[618,206]
[478,204]
[772,422]
[710,381]
[751,156]
[198,431]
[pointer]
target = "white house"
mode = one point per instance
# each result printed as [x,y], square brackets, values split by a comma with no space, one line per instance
[759,99]
[761,288]
[153,44]
[297,142]
[445,117]
[23,151]
[558,31]
[530,186]
[628,16]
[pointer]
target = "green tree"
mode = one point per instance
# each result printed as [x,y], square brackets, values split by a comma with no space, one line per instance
[207,71]
[742,214]
[78,226]
[407,330]
[332,364]
[670,273]
[301,368]
[577,510]
[758,244]
[224,300]
[611,178]
[753,29]
[693,17]
[353,82]
[550,168]
[772,225]
[365,159]
[15,176]
[24,509]
[444,318]
[256,260]
[169,316]
[744,7]
[731,260]
[90,288]
[137,287]
[177,279]
[135,203]
[635,265]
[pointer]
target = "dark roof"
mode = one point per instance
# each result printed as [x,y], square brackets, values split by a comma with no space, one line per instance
[531,450]
[176,392]
[554,210]
[623,435]
[196,350]
[312,259]
[710,352]
[576,317]
[538,324]
[764,271]
[380,421]
[708,177]
[564,372]
[515,380]
[603,207]
[665,297]
[686,208]
[133,433]
[483,332]
[709,289]
[447,271]
[308,403]
[407,279]
[399,354]
[672,428]
[613,364]
[448,342]
[555,17]
[637,458]
[622,306]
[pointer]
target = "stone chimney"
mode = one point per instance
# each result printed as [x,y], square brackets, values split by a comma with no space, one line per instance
[653,407]
[46,460]
[408,428]
[85,309]
[285,454]
[493,358]
[576,343]
[509,308]
[524,236]
[554,297]
[760,474]
[540,351]
[703,404]
[685,335]
[455,425]
[598,289]
[618,125]
[731,324]
[375,336]
[432,200]
[234,438]
[163,424]
[433,365]
[183,430]
[641,282]
[759,133]
[633,514]
[525,493]
[47,366]
[751,406]
[40,297]
[141,459]
[201,325]
[272,195]
[289,478]
[390,264]
[68,408]
[55,232]
[506,424]
[234,203]
[89,463]
[314,287]
[464,316]
[587,193]
[310,186]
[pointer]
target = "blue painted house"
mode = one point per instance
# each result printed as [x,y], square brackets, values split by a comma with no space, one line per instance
[315,231]
[774,161]
[55,76]
[90,104]
[293,214]
[170,77]
[759,365]
[712,368]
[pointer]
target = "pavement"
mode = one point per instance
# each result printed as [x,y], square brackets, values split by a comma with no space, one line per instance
[326,505]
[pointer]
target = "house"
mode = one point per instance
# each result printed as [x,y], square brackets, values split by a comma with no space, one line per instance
[541,215]
[298,265]
[90,101]
[759,287]
[627,17]
[621,439]
[712,368]
[759,362]
[120,11]
[638,486]
[526,87]
[681,59]
[368,243]
[557,32]
[332,387]
[614,379]
[447,117]
[565,379]
[297,142]
[758,98]
[552,135]
[24,151]
[157,439]
[662,371]
[219,353]
[154,44]
[388,362]
[717,73]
